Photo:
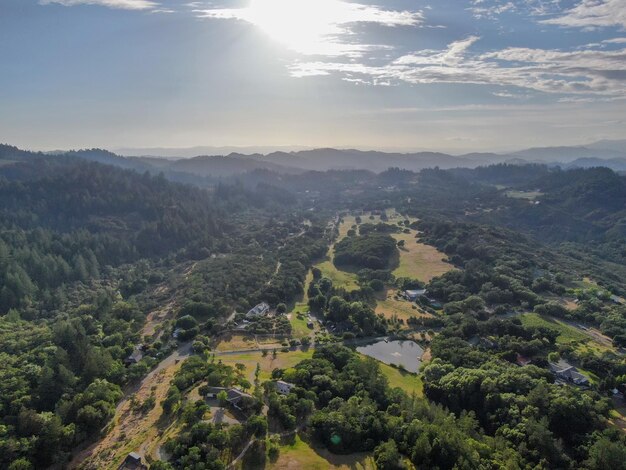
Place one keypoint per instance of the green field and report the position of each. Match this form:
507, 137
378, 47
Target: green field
268, 363
343, 279
405, 380
300, 455
567, 334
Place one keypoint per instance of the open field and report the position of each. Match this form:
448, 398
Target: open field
299, 320
234, 342
529, 195
408, 382
401, 309
268, 363
298, 455
419, 261
344, 279
568, 334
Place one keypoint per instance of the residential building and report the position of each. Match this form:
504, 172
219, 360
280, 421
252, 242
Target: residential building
258, 310
284, 388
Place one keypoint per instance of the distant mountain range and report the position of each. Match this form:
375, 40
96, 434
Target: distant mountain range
611, 154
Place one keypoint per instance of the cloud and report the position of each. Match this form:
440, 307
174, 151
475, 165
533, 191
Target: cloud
481, 9
119, 4
592, 14
316, 27
597, 74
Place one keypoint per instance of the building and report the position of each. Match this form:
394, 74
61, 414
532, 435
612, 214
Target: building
233, 395
213, 391
134, 358
565, 371
284, 388
413, 294
522, 360
133, 461
258, 310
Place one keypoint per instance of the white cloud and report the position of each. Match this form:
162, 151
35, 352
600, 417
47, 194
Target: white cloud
119, 4
316, 27
590, 14
592, 73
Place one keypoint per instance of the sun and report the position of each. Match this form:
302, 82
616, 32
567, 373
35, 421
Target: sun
305, 26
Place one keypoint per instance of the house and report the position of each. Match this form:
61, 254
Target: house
568, 373
213, 391
412, 295
284, 388
258, 310
133, 461
134, 358
234, 396
522, 360
616, 299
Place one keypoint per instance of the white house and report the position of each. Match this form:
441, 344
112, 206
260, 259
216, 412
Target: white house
284, 388
413, 294
258, 310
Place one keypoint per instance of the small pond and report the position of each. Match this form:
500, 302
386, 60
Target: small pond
406, 353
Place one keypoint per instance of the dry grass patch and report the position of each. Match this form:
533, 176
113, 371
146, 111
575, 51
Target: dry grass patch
298, 455
419, 261
268, 363
401, 309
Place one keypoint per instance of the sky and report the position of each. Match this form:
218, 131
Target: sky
448, 75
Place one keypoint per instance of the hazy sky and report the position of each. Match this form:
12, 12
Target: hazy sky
451, 75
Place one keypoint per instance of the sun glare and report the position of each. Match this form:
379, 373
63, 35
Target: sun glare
306, 26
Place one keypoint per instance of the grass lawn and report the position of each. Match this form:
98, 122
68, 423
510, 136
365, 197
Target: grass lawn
567, 334
405, 380
299, 455
299, 328
235, 342
283, 360
344, 279
419, 261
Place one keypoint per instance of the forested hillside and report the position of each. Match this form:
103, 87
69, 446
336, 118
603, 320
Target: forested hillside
108, 273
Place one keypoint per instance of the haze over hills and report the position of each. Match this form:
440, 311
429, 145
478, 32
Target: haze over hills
603, 153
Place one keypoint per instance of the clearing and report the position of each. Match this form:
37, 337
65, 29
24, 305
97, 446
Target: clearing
268, 363
419, 261
583, 340
298, 454
401, 309
410, 383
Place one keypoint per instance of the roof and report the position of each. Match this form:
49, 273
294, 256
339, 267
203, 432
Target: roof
135, 356
134, 456
567, 371
259, 309
415, 292
234, 395
560, 365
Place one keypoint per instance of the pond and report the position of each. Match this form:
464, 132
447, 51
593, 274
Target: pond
406, 353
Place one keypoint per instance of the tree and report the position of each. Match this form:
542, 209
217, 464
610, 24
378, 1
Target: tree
387, 456
222, 397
